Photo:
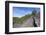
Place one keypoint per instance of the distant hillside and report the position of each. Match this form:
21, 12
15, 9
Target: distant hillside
20, 20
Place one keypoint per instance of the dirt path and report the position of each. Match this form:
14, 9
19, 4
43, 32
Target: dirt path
28, 23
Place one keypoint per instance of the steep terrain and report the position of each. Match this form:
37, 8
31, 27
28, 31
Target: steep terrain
28, 21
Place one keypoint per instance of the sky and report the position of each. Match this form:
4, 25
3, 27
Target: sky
22, 11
